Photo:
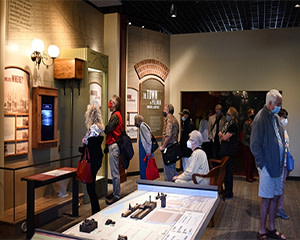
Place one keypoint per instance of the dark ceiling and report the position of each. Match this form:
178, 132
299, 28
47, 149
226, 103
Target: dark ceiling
205, 16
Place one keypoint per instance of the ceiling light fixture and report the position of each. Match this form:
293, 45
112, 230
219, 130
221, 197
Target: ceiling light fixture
173, 11
39, 56
297, 5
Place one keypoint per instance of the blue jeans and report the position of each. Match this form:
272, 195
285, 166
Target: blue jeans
113, 158
169, 172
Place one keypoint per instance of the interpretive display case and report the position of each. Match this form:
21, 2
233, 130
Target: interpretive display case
44, 117
16, 111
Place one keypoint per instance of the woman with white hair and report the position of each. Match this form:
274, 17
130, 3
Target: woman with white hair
197, 162
93, 140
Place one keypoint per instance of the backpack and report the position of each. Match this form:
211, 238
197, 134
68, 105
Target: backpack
126, 149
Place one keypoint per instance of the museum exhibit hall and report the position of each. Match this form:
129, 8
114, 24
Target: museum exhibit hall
139, 120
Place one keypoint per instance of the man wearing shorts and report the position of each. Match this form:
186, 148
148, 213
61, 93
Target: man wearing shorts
267, 146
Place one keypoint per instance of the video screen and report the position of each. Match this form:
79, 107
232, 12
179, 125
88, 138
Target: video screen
47, 113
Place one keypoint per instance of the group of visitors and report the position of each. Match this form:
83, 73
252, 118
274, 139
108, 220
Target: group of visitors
265, 142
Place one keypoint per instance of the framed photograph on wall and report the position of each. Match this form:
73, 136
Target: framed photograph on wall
16, 110
96, 93
132, 100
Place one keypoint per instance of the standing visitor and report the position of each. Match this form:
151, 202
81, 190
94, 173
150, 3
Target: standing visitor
145, 143
169, 136
248, 156
215, 125
283, 114
267, 146
187, 128
113, 131
229, 143
93, 140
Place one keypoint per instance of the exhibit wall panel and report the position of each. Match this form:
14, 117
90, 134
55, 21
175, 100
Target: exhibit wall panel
68, 24
245, 60
146, 44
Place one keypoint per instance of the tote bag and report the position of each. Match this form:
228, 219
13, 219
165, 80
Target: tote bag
152, 172
84, 171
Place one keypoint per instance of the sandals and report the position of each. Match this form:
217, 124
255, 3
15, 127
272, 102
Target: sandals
276, 235
262, 236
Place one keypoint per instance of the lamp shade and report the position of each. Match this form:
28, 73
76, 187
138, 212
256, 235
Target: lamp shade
37, 45
53, 51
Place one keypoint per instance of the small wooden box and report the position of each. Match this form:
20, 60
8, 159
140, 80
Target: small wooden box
68, 68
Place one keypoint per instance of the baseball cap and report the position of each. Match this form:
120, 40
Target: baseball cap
185, 111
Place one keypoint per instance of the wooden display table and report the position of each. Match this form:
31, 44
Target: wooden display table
42, 179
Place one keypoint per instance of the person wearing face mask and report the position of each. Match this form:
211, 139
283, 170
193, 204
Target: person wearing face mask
169, 136
215, 124
113, 131
267, 146
145, 143
186, 129
283, 114
248, 156
197, 162
229, 143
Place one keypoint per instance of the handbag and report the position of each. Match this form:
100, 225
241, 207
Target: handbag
172, 153
154, 145
289, 161
84, 171
152, 172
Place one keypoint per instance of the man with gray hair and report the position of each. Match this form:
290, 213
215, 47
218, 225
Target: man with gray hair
267, 146
197, 162
169, 136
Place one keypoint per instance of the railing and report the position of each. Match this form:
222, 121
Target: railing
31, 166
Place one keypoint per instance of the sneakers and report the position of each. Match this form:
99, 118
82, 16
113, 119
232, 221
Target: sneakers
281, 213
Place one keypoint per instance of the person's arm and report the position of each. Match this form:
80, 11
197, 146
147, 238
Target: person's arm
112, 123
256, 142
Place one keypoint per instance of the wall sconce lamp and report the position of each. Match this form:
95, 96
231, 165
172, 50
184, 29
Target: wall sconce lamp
39, 56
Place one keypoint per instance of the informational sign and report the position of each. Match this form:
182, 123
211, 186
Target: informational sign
152, 104
132, 100
16, 111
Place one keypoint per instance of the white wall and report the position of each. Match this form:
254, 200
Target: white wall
246, 60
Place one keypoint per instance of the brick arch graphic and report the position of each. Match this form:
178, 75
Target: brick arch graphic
151, 67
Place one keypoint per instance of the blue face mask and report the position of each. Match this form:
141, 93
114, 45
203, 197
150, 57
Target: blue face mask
183, 118
228, 118
276, 109
219, 112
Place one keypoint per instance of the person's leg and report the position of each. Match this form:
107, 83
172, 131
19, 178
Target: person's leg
169, 172
143, 165
264, 209
114, 153
213, 150
281, 198
272, 232
247, 162
91, 189
229, 179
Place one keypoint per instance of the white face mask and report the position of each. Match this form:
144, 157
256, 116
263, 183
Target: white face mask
284, 121
189, 144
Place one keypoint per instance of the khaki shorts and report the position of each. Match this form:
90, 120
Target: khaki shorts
269, 186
